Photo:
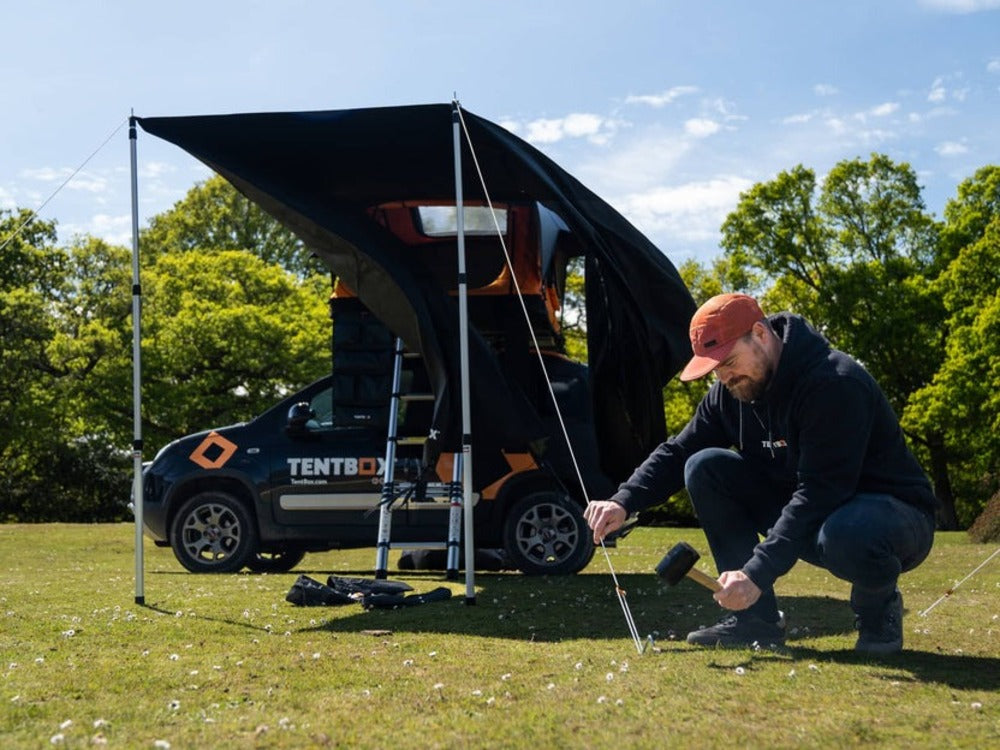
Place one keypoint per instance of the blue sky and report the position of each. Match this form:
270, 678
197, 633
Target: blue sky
668, 109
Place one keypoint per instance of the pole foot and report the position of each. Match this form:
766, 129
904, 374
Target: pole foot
470, 600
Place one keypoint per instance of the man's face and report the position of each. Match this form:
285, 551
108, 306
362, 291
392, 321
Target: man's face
747, 370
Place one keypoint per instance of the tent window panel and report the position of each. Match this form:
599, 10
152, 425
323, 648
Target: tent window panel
442, 221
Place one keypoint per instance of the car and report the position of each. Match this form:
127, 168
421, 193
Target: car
262, 494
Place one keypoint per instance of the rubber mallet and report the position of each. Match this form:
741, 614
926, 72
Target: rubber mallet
679, 562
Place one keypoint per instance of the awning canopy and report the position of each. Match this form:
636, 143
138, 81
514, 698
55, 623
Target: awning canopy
320, 173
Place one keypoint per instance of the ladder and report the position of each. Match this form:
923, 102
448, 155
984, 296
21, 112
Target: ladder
393, 490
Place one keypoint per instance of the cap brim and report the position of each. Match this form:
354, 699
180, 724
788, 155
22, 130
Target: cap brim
700, 366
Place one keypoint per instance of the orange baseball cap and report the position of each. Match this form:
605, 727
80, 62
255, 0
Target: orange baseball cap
715, 328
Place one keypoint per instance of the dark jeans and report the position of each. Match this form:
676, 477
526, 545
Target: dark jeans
868, 541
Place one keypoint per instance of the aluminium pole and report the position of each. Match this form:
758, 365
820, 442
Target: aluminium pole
463, 327
140, 597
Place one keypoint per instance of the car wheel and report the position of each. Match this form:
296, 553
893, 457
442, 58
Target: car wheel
213, 533
545, 534
279, 561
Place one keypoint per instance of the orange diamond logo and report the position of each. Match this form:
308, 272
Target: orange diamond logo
213, 452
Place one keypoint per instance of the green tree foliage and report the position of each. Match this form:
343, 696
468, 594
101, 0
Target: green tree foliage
214, 215
226, 331
975, 207
858, 257
962, 401
573, 313
52, 467
224, 336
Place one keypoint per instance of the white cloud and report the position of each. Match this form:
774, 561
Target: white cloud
116, 230
944, 88
993, 66
661, 100
951, 148
961, 6
545, 131
594, 128
825, 89
90, 183
837, 125
634, 166
874, 136
700, 127
723, 107
798, 119
938, 92
691, 212
7, 200
153, 169
884, 109
46, 174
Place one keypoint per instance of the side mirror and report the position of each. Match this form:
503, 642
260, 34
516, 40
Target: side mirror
298, 418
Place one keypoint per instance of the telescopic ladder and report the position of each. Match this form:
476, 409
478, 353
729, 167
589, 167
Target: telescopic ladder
393, 490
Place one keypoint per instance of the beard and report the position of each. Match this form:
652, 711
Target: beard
747, 389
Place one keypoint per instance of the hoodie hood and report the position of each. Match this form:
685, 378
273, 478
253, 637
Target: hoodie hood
803, 348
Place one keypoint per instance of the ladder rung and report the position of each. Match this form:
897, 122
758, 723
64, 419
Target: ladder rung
418, 545
431, 489
416, 396
411, 355
413, 440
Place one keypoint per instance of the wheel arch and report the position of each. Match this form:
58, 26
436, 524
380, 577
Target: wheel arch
213, 483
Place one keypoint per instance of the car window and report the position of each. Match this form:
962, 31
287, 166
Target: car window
322, 408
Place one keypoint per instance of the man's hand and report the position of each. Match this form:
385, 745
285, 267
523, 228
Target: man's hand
604, 516
738, 591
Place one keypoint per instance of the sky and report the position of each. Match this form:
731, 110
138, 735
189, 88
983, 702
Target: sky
667, 109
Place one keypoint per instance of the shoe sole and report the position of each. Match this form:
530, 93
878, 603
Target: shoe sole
724, 643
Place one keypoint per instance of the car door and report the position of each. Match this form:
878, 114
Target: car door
326, 475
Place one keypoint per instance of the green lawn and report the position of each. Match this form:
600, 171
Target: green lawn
224, 661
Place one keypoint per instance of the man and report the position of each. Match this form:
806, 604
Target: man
797, 443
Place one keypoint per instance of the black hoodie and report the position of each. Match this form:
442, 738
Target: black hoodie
823, 429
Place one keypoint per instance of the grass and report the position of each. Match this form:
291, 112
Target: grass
224, 661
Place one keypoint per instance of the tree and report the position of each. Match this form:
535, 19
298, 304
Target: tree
224, 336
214, 215
858, 258
51, 467
573, 313
975, 206
962, 400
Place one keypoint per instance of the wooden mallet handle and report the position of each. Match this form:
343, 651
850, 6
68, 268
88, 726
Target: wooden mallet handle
704, 579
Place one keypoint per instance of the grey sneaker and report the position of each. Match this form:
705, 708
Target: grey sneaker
741, 631
881, 633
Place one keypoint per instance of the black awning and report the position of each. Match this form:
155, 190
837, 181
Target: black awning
320, 172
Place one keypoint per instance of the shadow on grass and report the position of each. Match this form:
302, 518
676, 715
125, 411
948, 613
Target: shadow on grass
206, 618
960, 671
585, 607
569, 607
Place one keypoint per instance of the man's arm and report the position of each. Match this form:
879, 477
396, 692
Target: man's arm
662, 473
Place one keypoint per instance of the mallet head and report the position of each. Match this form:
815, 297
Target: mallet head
679, 562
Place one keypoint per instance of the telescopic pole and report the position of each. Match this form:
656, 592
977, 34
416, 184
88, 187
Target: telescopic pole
463, 327
140, 597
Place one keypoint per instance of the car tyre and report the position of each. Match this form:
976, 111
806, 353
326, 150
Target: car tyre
545, 534
213, 533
